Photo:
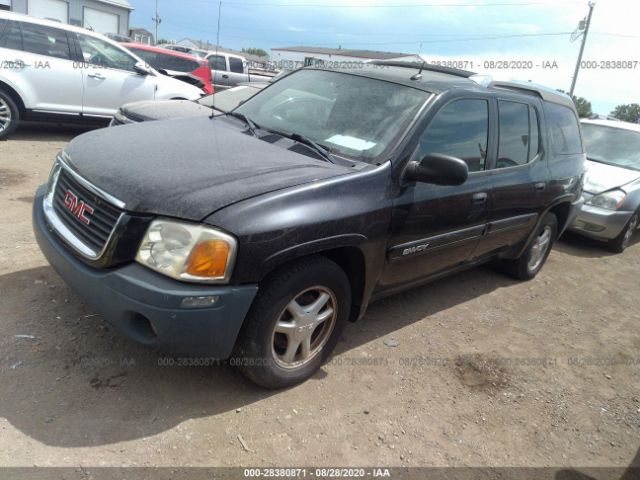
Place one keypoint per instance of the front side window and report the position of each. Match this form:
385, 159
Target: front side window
351, 115
235, 65
103, 54
563, 126
218, 62
460, 129
47, 41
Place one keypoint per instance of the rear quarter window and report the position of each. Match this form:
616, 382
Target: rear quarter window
564, 129
235, 65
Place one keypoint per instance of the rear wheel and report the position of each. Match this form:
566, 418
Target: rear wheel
294, 323
622, 241
9, 115
533, 259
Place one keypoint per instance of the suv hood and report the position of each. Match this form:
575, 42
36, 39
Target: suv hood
602, 177
163, 109
189, 167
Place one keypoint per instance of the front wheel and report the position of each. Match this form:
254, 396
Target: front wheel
534, 257
622, 241
294, 323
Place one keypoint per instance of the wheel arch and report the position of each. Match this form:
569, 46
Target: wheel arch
343, 250
15, 96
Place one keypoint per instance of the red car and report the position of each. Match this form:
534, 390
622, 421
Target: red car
171, 62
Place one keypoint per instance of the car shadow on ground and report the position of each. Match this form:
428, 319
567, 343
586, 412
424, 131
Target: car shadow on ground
584, 247
50, 132
76, 384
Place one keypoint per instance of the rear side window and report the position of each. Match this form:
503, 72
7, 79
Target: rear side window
12, 37
169, 62
519, 137
217, 62
564, 129
47, 41
235, 65
460, 129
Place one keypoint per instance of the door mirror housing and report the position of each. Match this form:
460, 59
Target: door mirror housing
142, 69
438, 169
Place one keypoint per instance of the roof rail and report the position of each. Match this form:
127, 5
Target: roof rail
546, 93
424, 66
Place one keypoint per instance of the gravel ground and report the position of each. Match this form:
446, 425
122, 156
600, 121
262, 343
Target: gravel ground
474, 370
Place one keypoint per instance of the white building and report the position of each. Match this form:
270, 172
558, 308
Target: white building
293, 57
102, 16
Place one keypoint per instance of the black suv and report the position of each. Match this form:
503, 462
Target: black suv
258, 234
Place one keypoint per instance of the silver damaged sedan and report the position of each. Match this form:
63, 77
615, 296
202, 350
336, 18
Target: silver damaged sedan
611, 212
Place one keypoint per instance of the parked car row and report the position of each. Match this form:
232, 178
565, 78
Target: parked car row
58, 72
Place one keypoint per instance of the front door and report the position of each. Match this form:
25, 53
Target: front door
109, 78
436, 228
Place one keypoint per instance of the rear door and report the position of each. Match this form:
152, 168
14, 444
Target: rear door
42, 66
519, 175
237, 71
219, 70
437, 228
109, 78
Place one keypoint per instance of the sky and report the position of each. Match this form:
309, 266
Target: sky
534, 33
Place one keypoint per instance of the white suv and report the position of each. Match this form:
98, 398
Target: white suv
52, 71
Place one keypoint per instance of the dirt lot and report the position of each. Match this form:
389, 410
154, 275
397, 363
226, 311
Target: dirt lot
484, 371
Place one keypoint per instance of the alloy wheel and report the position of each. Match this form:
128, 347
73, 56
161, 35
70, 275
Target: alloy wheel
304, 327
5, 115
539, 248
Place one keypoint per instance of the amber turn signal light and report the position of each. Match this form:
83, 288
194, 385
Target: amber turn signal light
209, 259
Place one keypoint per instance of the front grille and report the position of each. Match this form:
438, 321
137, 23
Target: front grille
102, 220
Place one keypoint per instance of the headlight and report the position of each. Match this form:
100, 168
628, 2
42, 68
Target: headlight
608, 200
190, 252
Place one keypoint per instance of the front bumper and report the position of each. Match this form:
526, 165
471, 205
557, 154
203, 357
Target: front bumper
599, 223
146, 306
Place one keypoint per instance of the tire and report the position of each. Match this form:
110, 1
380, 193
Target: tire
535, 256
9, 115
267, 350
622, 241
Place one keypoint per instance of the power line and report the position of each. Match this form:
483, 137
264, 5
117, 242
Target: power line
409, 5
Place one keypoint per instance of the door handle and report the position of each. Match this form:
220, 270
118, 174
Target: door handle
96, 75
540, 187
225, 76
479, 198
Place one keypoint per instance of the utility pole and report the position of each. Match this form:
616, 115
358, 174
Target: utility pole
157, 21
584, 41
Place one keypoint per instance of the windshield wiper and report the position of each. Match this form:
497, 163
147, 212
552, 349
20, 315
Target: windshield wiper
319, 149
250, 123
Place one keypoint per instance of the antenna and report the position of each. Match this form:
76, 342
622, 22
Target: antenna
213, 98
418, 75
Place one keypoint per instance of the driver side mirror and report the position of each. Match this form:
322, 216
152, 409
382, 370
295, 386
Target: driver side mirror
438, 169
141, 68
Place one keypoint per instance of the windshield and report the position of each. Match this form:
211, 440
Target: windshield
227, 100
349, 115
614, 146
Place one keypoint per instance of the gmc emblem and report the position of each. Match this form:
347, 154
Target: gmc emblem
77, 207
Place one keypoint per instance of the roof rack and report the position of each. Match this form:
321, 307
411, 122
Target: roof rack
546, 93
425, 66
